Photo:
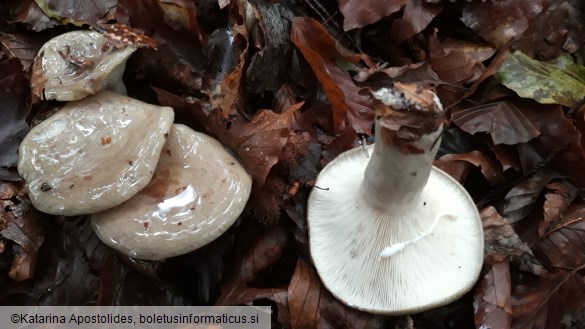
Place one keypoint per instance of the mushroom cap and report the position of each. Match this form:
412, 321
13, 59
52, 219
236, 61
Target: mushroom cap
93, 154
76, 64
347, 238
198, 191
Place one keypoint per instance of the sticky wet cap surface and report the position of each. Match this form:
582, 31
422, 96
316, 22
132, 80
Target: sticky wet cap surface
93, 154
197, 192
77, 64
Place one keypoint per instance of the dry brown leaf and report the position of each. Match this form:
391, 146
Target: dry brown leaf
492, 298
557, 199
417, 16
491, 170
500, 239
359, 13
351, 110
502, 120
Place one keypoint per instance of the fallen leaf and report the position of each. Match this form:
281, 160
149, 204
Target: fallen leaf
501, 241
417, 16
563, 244
456, 60
268, 247
351, 110
561, 82
181, 15
30, 13
500, 21
489, 168
548, 301
492, 298
359, 13
558, 197
260, 142
15, 107
519, 201
502, 120
311, 306
77, 12
22, 46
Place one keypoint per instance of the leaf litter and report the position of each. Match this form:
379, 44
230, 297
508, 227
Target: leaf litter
285, 88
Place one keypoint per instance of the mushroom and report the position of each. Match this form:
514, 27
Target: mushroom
76, 64
198, 191
93, 154
395, 235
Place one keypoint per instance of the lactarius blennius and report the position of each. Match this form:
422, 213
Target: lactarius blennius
76, 64
392, 234
197, 192
93, 154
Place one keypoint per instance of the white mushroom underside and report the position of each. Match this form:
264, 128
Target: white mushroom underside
346, 240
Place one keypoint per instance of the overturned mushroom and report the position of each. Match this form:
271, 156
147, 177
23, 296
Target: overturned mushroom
74, 65
93, 154
391, 234
197, 192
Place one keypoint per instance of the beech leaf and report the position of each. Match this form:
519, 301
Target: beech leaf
502, 120
359, 13
561, 82
500, 238
77, 12
492, 298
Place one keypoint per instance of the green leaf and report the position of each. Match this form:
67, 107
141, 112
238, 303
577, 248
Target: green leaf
559, 82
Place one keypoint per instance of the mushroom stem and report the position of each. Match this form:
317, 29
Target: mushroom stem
393, 179
403, 155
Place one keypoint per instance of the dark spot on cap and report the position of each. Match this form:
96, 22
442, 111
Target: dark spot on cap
179, 223
130, 162
145, 226
46, 187
166, 135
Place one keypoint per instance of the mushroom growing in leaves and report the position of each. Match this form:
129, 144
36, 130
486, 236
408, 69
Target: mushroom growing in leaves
392, 234
93, 154
76, 64
198, 191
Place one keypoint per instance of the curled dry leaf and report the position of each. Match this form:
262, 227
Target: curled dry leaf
502, 120
492, 298
30, 13
21, 46
490, 169
351, 110
500, 239
563, 244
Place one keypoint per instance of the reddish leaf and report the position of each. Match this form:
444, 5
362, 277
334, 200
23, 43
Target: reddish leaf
359, 13
500, 21
351, 110
456, 60
563, 245
545, 303
456, 169
181, 15
489, 168
260, 142
417, 16
502, 120
492, 298
500, 239
558, 197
